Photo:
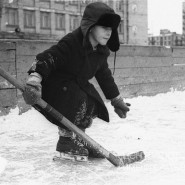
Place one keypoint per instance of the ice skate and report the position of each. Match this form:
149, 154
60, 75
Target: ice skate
71, 157
71, 149
92, 152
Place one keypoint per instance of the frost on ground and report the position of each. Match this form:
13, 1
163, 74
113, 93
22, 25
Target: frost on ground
155, 125
3, 163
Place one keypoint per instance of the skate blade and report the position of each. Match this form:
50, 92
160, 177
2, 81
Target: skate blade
64, 156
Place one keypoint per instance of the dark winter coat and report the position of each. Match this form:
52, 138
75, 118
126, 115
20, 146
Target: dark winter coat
66, 69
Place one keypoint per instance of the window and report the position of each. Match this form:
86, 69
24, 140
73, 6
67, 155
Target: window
73, 2
45, 20
86, 1
74, 22
44, 1
121, 27
28, 3
12, 17
119, 5
29, 19
60, 21
59, 1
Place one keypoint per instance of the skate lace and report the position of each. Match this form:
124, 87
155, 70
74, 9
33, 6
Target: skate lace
87, 146
81, 141
78, 143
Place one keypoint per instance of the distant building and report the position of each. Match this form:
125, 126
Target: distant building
52, 19
183, 18
166, 38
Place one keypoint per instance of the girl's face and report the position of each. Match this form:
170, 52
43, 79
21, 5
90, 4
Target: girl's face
99, 35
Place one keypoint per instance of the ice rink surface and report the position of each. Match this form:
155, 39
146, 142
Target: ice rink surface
155, 125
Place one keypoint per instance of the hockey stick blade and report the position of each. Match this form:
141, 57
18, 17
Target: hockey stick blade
120, 161
132, 158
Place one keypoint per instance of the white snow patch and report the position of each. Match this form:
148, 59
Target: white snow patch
3, 163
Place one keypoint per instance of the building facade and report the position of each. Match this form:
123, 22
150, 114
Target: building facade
183, 18
167, 38
52, 19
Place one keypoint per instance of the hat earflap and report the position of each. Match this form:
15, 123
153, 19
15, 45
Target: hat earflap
113, 43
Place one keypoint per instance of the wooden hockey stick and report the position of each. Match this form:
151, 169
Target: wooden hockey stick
115, 160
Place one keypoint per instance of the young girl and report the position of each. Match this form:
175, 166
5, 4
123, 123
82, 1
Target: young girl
61, 77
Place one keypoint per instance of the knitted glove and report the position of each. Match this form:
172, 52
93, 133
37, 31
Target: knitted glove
120, 107
33, 90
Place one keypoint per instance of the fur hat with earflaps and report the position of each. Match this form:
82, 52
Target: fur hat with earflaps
101, 14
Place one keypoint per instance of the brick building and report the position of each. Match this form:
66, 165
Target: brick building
167, 38
52, 19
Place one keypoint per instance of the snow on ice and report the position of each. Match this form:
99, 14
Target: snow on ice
3, 163
155, 125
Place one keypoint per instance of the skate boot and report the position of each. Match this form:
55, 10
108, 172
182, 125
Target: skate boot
92, 152
70, 148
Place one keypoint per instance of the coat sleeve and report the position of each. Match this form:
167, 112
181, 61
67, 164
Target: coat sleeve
50, 60
106, 81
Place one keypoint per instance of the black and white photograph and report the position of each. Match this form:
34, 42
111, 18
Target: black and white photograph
92, 92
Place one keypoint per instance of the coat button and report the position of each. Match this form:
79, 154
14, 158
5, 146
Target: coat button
64, 88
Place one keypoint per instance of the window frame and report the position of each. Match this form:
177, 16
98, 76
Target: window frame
15, 17
73, 24
33, 18
60, 24
44, 15
121, 27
